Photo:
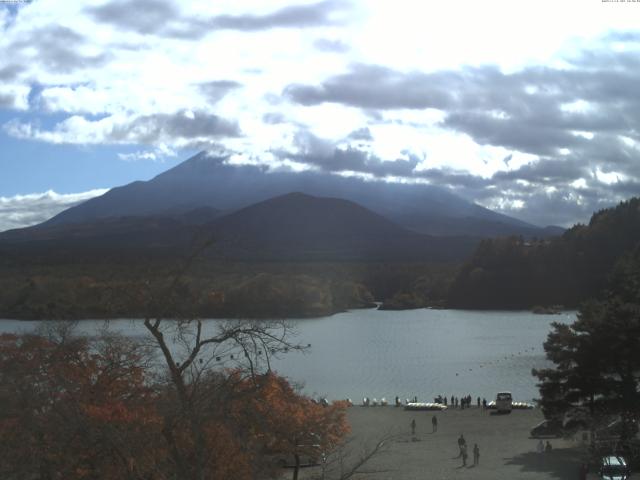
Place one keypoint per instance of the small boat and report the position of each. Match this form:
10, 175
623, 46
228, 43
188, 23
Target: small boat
425, 406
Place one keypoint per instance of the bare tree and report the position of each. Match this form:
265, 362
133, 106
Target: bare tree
190, 349
348, 460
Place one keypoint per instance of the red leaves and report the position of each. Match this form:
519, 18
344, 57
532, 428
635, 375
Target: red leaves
77, 409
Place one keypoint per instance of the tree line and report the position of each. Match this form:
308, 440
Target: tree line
596, 359
517, 273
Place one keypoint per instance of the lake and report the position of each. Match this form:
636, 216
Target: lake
406, 353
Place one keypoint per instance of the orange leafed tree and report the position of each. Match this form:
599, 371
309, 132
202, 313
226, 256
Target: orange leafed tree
74, 410
79, 409
284, 422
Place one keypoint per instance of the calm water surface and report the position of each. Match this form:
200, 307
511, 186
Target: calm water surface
414, 352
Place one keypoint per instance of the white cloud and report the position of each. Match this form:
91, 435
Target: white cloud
25, 210
14, 96
157, 155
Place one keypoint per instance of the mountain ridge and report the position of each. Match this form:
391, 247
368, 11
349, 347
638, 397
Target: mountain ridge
205, 181
291, 227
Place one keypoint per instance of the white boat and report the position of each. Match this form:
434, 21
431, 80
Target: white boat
425, 406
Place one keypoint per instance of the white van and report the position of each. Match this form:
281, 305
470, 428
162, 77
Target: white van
504, 402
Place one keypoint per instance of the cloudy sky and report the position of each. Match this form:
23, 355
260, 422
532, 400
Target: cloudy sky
529, 108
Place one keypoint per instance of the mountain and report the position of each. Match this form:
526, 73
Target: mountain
294, 226
298, 226
204, 181
514, 273
293, 255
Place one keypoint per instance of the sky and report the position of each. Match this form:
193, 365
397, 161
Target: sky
531, 109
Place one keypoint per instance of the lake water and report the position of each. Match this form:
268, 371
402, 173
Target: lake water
406, 353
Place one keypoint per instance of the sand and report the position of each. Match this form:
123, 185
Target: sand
506, 450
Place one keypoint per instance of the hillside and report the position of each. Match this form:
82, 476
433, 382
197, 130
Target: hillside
291, 256
291, 227
301, 227
515, 273
204, 181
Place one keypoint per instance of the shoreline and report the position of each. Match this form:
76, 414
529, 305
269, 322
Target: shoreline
375, 307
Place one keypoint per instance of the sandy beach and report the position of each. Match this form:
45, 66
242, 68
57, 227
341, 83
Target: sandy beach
506, 450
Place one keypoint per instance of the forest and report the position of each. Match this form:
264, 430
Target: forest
519, 273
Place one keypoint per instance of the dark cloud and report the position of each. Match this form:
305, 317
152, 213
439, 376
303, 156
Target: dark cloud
328, 45
162, 18
142, 16
56, 48
557, 171
373, 87
149, 129
217, 89
7, 100
488, 130
274, 118
323, 154
361, 134
295, 16
527, 110
563, 208
542, 111
10, 72
454, 179
622, 36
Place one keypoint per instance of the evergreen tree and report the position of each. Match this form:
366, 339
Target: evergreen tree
597, 358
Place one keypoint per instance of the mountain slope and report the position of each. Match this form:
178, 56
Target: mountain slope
294, 226
206, 181
302, 227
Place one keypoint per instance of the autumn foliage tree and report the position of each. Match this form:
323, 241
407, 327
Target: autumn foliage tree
74, 409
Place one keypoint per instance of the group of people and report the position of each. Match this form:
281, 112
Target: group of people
542, 447
462, 446
462, 402
434, 425
462, 443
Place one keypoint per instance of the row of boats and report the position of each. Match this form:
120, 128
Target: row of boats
414, 405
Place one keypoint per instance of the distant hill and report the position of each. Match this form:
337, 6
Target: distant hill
290, 256
516, 273
291, 227
297, 226
203, 181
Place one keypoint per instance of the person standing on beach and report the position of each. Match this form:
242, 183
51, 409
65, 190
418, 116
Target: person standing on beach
434, 424
462, 445
413, 426
476, 454
463, 452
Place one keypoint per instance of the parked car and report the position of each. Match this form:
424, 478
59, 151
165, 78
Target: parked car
547, 428
613, 467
